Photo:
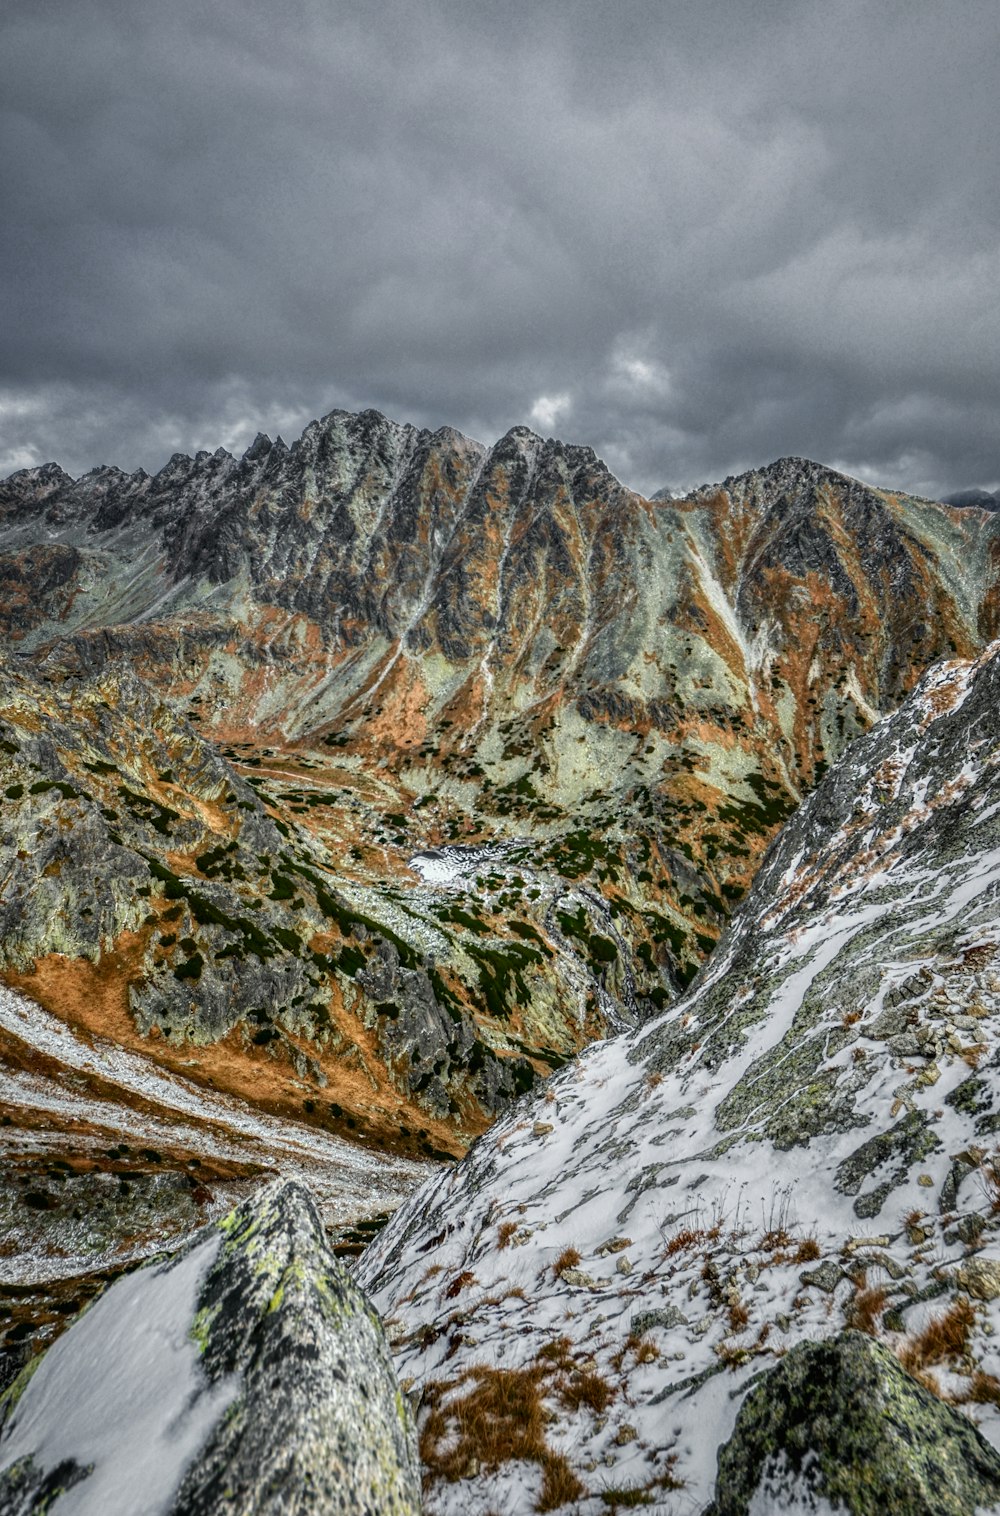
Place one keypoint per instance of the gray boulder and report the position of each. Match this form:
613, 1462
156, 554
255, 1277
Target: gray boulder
839, 1424
245, 1375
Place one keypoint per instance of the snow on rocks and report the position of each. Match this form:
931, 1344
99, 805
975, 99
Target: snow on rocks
839, 1425
458, 865
247, 1373
806, 1143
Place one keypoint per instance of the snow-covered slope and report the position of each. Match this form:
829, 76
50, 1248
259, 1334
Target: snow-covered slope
804, 1143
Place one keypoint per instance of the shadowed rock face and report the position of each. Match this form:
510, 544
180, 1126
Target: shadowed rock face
246, 1374
841, 1422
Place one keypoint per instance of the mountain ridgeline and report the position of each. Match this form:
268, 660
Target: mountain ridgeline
255, 689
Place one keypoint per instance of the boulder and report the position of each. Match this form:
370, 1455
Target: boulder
839, 1424
246, 1374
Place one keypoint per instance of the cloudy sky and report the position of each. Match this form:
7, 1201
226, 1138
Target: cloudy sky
695, 234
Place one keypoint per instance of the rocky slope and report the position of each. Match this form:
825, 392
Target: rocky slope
511, 644
247, 1373
804, 1145
410, 640
350, 788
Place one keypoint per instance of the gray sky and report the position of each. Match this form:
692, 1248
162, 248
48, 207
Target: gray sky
695, 234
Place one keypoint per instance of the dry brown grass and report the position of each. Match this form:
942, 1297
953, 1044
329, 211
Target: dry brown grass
643, 1349
864, 1312
974, 1054
568, 1259
502, 1417
585, 1387
807, 1251
942, 1340
738, 1316
459, 1283
984, 1389
505, 1232
687, 1237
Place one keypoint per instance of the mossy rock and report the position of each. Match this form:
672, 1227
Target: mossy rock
841, 1422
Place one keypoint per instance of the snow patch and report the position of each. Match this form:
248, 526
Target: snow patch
782, 1489
124, 1393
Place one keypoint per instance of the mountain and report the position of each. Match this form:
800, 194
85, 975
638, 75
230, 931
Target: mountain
351, 787
985, 500
801, 1151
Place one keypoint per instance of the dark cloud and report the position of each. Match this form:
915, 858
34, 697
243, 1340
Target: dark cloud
695, 234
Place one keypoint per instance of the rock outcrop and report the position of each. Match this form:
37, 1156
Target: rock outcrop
805, 1144
246, 1374
839, 1425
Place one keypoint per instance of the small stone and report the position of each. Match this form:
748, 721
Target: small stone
541, 1128
579, 1278
826, 1277
624, 1265
926, 1181
980, 1277
887, 1263
970, 1227
853, 1243
666, 1317
616, 1245
626, 1433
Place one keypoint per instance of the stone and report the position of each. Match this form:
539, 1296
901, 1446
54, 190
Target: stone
580, 1279
665, 1317
826, 1277
840, 1425
979, 1276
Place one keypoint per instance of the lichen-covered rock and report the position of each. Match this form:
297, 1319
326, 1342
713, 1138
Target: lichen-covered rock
840, 1422
247, 1375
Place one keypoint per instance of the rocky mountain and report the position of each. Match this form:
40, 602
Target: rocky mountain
417, 640
350, 788
689, 1269
986, 500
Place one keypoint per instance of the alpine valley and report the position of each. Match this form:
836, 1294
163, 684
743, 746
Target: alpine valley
364, 794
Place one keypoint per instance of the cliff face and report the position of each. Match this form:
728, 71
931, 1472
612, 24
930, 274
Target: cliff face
273, 681
804, 1144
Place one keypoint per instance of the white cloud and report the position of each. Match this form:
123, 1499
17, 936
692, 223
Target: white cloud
549, 410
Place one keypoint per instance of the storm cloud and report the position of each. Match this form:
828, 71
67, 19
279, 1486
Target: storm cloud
695, 234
